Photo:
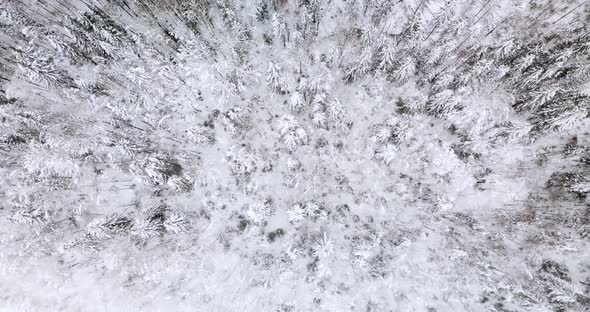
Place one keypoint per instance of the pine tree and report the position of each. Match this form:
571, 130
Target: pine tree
406, 70
279, 28
388, 56
291, 132
296, 102
275, 78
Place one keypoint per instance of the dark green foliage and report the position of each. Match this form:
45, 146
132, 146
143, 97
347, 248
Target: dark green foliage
195, 13
262, 13
462, 151
109, 226
9, 141
93, 31
555, 269
157, 213
278, 233
577, 183
571, 148
243, 223
285, 308
267, 39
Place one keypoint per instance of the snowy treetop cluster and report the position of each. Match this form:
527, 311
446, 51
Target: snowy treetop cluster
295, 155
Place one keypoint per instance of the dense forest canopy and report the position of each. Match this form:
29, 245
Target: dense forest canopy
276, 155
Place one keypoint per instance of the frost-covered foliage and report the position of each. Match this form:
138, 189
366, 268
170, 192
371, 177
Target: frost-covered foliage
305, 155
